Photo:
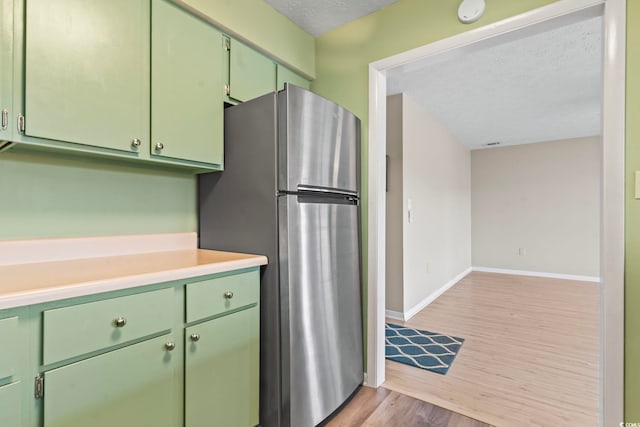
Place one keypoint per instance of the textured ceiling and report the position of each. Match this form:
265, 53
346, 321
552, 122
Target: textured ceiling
319, 16
538, 88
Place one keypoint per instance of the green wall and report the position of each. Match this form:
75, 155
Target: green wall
342, 58
632, 243
46, 195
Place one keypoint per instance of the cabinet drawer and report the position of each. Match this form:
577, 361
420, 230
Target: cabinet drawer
79, 329
9, 340
216, 296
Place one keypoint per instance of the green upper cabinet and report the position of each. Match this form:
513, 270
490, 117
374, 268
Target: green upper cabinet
135, 79
133, 386
187, 88
87, 72
250, 74
287, 76
6, 70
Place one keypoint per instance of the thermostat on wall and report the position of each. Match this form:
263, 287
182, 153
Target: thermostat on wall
470, 11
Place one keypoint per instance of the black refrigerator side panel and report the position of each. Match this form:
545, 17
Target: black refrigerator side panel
238, 213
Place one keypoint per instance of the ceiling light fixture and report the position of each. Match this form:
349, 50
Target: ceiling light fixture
470, 11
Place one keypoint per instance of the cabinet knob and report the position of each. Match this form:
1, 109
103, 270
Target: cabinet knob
195, 337
159, 146
170, 346
135, 143
120, 322
228, 295
5, 119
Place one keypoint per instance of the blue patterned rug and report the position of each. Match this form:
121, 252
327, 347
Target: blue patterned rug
422, 349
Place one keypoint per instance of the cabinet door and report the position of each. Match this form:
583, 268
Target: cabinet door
9, 360
6, 70
222, 371
187, 91
251, 74
285, 75
132, 386
10, 409
87, 71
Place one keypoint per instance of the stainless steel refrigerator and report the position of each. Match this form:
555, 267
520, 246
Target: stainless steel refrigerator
290, 190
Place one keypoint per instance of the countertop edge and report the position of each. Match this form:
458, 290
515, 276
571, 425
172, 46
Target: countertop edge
21, 299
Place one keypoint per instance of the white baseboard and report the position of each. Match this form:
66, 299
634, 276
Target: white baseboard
398, 315
428, 300
593, 279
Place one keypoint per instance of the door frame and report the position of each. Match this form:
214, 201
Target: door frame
612, 206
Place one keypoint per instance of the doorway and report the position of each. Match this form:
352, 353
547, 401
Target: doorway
612, 218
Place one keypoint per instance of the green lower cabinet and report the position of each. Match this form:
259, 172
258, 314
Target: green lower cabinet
9, 339
133, 386
136, 363
10, 407
222, 371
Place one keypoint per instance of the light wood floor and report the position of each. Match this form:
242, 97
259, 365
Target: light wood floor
530, 356
384, 408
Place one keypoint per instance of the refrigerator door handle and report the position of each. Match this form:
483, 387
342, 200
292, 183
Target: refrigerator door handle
326, 199
327, 190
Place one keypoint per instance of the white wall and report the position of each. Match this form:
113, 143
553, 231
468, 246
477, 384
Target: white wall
544, 198
436, 245
394, 209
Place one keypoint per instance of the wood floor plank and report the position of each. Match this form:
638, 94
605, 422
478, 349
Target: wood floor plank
530, 355
384, 408
400, 410
360, 407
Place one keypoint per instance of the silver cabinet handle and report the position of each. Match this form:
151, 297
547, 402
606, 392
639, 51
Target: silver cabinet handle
195, 337
5, 119
159, 146
228, 295
21, 124
135, 143
170, 346
120, 322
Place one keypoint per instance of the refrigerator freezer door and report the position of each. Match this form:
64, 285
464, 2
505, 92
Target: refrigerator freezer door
318, 142
321, 306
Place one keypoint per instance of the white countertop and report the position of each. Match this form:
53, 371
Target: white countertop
36, 279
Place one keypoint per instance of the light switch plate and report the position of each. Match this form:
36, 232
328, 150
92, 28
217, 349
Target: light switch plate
637, 184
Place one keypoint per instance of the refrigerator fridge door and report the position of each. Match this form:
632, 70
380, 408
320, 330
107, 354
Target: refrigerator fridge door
318, 143
321, 308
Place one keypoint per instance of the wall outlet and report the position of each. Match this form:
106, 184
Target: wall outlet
522, 251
